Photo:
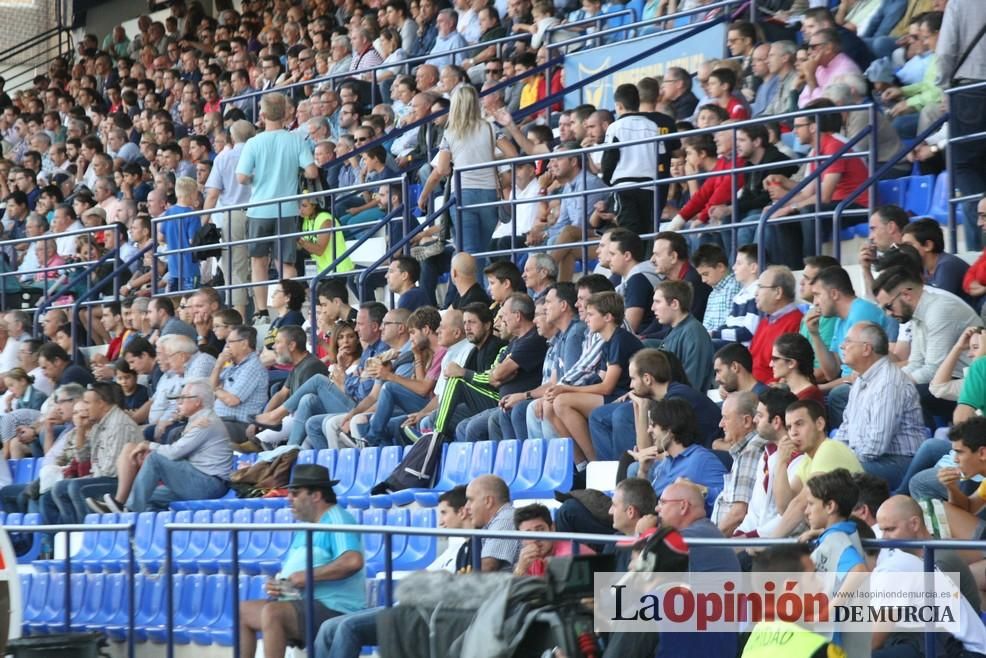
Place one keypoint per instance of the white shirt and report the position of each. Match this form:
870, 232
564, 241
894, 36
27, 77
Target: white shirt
761, 514
525, 211
65, 245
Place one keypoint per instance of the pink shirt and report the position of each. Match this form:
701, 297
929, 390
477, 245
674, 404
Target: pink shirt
435, 370
840, 65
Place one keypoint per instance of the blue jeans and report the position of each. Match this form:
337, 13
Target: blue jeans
613, 430
538, 428
319, 395
889, 467
969, 158
928, 454
477, 224
65, 502
162, 481
346, 635
475, 428
514, 424
392, 398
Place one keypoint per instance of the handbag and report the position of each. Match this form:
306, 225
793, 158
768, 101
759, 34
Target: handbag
206, 235
425, 250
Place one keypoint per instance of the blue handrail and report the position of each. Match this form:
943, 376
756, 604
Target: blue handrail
877, 175
770, 210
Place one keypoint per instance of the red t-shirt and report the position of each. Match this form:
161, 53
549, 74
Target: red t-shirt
737, 110
853, 170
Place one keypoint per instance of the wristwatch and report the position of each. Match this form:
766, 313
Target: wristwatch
528, 396
934, 149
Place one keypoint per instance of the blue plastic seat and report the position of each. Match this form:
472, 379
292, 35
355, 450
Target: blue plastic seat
153, 558
305, 457
92, 604
891, 191
458, 468
327, 458
394, 517
919, 193
373, 542
218, 555
251, 588
52, 617
95, 544
198, 540
115, 610
117, 546
529, 468
34, 597
345, 471
420, 550
365, 477
217, 610
143, 538
280, 542
455, 471
150, 606
389, 458
254, 547
23, 469
559, 469
188, 597
28, 519
506, 461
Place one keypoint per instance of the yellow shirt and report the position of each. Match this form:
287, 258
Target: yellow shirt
829, 456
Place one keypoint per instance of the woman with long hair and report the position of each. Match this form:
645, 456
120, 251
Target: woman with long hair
468, 140
793, 362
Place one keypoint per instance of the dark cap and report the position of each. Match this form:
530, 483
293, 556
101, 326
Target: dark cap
311, 475
596, 502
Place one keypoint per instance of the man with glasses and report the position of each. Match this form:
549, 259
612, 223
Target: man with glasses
882, 423
779, 315
239, 381
676, 89
937, 320
196, 466
826, 61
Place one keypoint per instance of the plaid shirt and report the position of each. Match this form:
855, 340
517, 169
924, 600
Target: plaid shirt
720, 302
248, 382
585, 371
742, 477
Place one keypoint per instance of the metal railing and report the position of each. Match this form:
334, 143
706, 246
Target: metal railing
474, 536
953, 139
18, 73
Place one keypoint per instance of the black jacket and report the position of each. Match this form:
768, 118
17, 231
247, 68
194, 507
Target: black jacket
752, 196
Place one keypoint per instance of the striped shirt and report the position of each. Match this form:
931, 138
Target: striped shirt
737, 486
367, 60
717, 309
106, 439
505, 550
585, 371
743, 319
883, 415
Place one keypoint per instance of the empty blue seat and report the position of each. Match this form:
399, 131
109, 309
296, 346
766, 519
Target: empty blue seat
198, 540
305, 457
34, 596
23, 470
394, 517
150, 610
420, 550
373, 542
115, 609
188, 597
891, 191
116, 545
280, 542
90, 539
507, 458
389, 458
327, 458
250, 588
559, 469
218, 556
919, 193
365, 477
217, 610
529, 468
345, 471
28, 519
92, 604
52, 617
254, 547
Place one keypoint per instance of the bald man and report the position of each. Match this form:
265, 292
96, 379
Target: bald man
488, 503
465, 283
682, 506
901, 518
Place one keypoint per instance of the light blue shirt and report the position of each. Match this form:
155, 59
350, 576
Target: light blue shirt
273, 159
223, 178
861, 310
452, 41
347, 594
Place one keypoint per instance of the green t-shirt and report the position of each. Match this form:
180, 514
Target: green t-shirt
826, 328
974, 386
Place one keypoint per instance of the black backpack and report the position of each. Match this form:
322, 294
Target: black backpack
418, 469
206, 235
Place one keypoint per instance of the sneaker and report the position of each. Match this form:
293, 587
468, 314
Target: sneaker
98, 506
112, 504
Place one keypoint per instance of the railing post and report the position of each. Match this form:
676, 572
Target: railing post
388, 567
457, 205
169, 595
235, 549
309, 592
131, 576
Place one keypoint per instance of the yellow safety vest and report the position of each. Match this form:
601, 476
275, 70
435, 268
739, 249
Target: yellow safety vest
780, 639
336, 246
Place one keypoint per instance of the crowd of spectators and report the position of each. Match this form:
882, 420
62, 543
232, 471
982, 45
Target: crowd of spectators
739, 401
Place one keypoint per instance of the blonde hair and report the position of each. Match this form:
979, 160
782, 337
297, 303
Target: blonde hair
186, 187
464, 117
274, 106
